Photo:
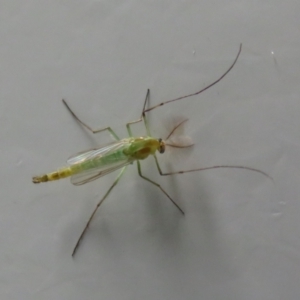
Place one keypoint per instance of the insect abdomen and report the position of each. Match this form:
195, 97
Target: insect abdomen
99, 162
59, 174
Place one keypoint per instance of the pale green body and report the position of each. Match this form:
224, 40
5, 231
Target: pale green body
92, 164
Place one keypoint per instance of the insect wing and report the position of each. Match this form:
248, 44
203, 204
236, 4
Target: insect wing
93, 174
97, 152
100, 170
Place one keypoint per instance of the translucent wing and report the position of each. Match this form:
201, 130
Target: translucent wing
97, 152
93, 174
97, 169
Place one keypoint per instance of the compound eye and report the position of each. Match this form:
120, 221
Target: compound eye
162, 146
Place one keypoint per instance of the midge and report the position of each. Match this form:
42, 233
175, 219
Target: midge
89, 165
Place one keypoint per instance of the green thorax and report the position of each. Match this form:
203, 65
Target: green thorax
141, 147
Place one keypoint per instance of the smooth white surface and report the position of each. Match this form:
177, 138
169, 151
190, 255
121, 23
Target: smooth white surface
239, 238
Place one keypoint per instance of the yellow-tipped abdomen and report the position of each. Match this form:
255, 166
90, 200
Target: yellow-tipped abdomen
59, 174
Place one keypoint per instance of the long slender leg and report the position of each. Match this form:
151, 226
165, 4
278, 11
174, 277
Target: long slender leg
156, 184
202, 90
142, 117
209, 168
96, 208
88, 127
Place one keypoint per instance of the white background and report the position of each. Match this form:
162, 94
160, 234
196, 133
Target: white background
239, 238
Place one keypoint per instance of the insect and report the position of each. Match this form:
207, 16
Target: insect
89, 165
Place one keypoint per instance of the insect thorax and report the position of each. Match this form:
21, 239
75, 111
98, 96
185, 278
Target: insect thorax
141, 147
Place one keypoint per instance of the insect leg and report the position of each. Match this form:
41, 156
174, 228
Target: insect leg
156, 184
209, 168
95, 210
88, 127
142, 117
202, 90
